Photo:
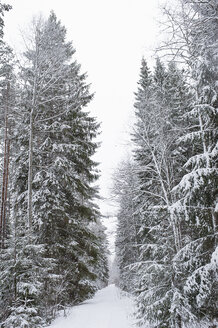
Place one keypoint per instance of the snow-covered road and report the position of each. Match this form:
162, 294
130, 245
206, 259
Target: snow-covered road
108, 309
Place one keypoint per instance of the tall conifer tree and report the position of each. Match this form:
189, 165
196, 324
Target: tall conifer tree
161, 101
58, 253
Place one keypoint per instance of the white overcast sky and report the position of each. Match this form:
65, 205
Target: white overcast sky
110, 37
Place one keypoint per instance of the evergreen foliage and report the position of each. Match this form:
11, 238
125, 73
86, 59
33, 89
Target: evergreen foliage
175, 138
3, 7
127, 243
56, 253
52, 243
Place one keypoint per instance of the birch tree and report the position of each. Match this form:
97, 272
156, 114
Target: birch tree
161, 101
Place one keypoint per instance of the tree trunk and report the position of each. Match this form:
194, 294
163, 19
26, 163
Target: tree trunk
6, 193
5, 174
31, 126
30, 175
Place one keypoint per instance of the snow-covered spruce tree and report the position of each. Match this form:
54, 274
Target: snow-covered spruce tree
194, 29
19, 284
197, 191
161, 101
61, 145
127, 243
28, 265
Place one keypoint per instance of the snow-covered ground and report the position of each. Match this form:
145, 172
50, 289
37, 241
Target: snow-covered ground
108, 309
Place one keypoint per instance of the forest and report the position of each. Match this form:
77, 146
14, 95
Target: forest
53, 246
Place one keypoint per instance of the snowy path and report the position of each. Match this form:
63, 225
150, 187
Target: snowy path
108, 309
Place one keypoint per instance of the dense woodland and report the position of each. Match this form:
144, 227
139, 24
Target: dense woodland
53, 249
167, 222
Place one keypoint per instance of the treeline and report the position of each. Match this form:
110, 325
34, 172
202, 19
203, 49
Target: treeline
52, 244
167, 222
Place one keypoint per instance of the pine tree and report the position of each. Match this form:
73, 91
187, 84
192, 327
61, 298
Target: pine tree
7, 104
5, 77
